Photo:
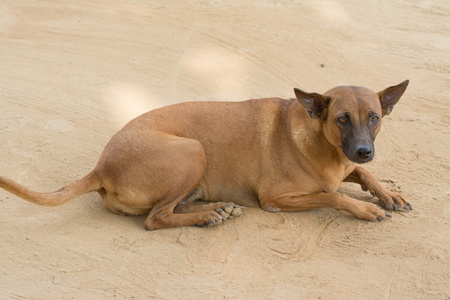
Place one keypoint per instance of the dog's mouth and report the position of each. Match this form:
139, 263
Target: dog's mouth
362, 160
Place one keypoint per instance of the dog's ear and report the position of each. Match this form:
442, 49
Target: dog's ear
390, 96
314, 103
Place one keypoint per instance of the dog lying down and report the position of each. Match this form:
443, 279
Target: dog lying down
290, 155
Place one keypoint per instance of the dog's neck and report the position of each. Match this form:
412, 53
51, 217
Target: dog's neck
309, 138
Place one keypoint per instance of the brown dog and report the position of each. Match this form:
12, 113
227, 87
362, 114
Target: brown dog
290, 155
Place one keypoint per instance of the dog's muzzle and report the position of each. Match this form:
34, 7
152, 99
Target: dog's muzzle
360, 154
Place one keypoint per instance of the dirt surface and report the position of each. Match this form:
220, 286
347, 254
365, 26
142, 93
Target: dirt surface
74, 72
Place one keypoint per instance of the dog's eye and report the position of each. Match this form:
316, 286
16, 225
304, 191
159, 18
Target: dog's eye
342, 119
374, 119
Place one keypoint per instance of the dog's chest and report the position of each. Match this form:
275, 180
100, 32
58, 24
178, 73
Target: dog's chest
319, 178
333, 176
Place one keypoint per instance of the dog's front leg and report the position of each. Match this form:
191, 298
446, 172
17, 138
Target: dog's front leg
293, 202
389, 199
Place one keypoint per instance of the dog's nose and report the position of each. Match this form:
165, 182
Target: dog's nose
364, 152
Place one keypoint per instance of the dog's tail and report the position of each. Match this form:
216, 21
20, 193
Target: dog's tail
87, 184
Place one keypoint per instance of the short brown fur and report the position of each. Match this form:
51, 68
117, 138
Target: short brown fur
289, 155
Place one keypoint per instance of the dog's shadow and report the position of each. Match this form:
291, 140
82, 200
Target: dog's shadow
355, 191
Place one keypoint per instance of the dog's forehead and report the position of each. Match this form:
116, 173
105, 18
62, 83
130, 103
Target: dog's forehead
350, 97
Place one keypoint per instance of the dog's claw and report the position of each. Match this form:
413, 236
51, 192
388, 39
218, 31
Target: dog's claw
223, 213
406, 208
379, 219
214, 222
410, 206
388, 215
395, 206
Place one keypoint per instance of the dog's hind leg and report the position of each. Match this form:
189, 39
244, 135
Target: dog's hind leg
185, 168
154, 171
113, 203
225, 209
163, 216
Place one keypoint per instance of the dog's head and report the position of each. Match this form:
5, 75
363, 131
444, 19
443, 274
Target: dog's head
352, 116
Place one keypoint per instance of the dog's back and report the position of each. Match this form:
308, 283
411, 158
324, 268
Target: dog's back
238, 139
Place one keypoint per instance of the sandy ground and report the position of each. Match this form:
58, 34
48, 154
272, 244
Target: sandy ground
73, 73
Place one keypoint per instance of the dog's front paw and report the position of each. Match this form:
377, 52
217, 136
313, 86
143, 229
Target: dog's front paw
370, 212
393, 201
